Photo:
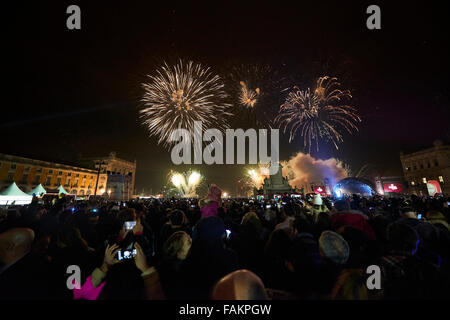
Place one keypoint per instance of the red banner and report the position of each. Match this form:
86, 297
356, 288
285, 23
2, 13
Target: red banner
433, 187
392, 187
320, 190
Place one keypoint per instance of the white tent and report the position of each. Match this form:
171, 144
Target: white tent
38, 191
62, 190
13, 194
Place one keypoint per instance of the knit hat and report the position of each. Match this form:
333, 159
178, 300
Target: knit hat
317, 200
215, 193
333, 247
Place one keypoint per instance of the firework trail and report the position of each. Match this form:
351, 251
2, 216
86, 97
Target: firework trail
253, 90
180, 94
186, 183
318, 114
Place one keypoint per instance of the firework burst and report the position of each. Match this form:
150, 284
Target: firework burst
180, 94
252, 90
318, 114
186, 183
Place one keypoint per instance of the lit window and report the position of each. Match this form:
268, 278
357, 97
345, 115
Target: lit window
424, 180
441, 179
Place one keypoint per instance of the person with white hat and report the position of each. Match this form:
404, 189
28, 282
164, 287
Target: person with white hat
318, 206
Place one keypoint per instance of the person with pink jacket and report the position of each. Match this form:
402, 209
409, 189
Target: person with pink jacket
211, 203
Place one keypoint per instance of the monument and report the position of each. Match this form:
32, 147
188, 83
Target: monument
275, 184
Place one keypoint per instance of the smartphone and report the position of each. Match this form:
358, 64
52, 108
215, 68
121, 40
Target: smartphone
126, 254
228, 231
94, 210
192, 206
129, 225
419, 216
268, 206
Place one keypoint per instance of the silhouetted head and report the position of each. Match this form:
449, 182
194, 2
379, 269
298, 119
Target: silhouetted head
14, 244
239, 285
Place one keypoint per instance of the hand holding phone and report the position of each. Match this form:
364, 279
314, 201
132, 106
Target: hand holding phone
110, 257
129, 225
140, 258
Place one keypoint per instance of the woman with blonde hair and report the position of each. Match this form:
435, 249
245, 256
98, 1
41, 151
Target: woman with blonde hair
175, 251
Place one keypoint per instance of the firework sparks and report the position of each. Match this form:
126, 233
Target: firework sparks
254, 177
248, 97
186, 183
252, 89
318, 114
179, 95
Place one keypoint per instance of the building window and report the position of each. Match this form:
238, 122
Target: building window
11, 177
25, 178
414, 167
436, 163
47, 182
58, 181
77, 175
69, 174
37, 179
428, 165
424, 180
13, 166
39, 170
27, 169
59, 173
441, 179
421, 166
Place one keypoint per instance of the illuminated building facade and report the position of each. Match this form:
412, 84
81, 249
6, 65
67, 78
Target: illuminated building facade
425, 169
116, 176
28, 173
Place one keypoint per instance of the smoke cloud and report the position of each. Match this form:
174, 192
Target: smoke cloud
303, 170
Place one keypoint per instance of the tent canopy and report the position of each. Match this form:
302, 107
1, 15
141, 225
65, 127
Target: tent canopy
13, 190
38, 190
62, 190
13, 194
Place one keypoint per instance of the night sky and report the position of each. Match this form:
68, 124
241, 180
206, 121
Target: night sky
75, 93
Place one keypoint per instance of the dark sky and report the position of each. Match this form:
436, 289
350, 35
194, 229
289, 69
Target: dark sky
76, 93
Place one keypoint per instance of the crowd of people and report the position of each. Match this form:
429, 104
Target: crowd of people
187, 249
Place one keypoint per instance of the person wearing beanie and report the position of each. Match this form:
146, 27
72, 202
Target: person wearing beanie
318, 207
333, 247
335, 252
210, 204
